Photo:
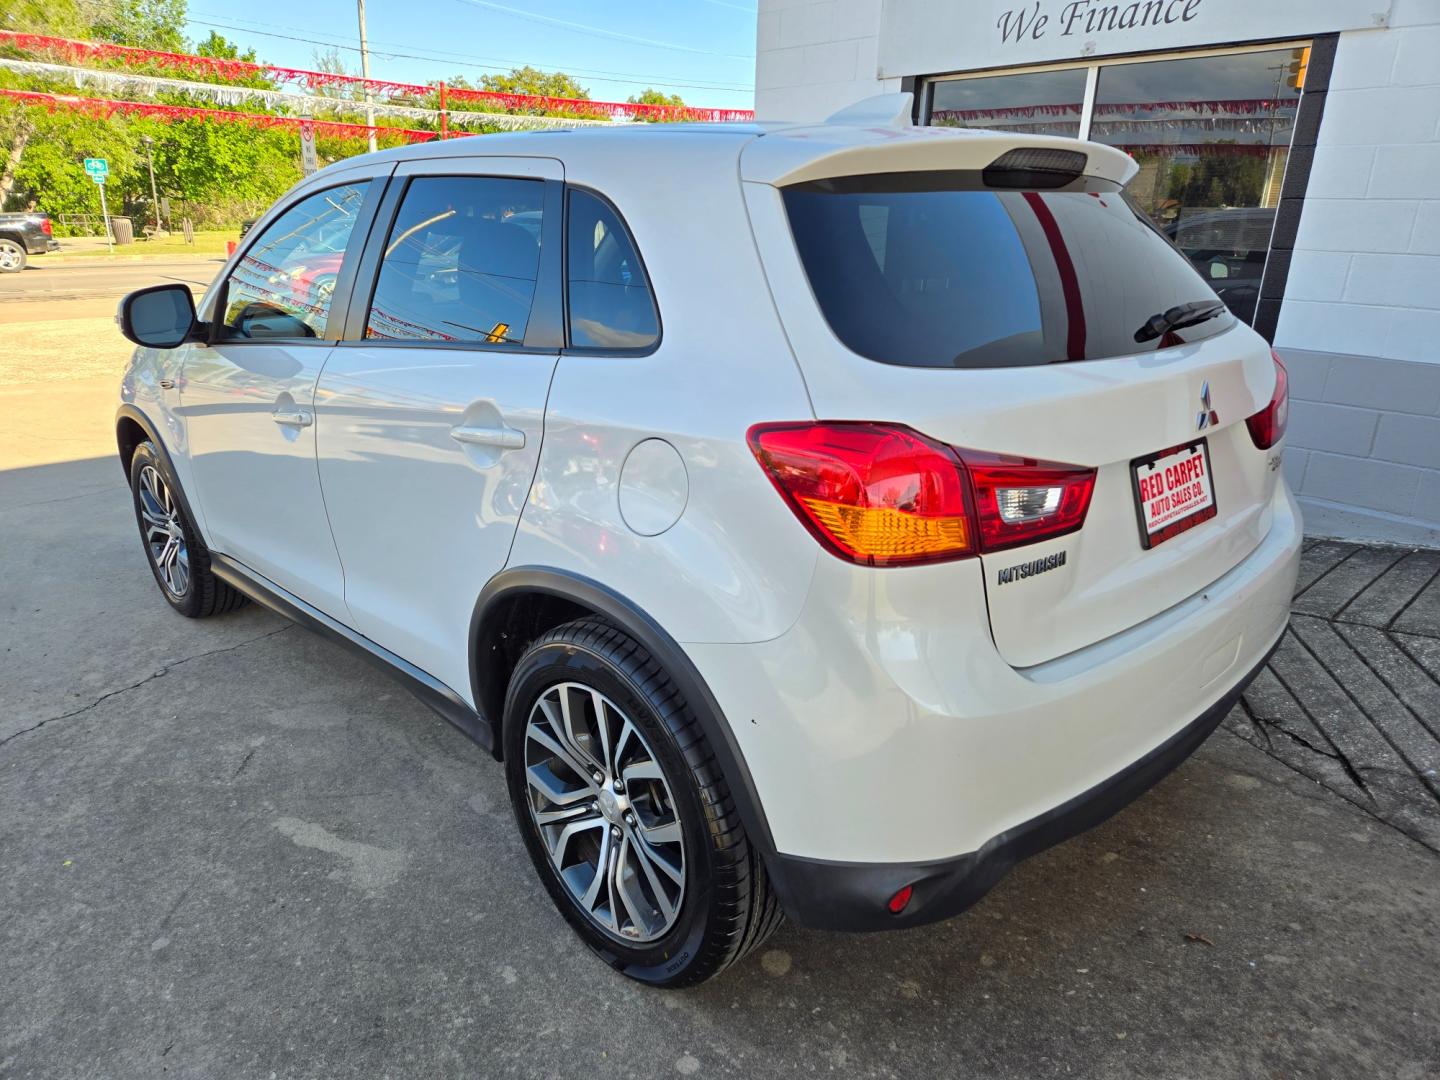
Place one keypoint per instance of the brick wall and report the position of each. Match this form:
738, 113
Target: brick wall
812, 59
1360, 323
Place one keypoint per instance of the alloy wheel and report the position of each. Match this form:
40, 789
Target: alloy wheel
11, 255
605, 814
164, 534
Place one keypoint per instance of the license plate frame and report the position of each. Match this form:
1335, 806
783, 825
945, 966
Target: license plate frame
1150, 539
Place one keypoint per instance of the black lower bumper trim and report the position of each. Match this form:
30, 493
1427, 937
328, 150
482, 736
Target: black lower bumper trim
827, 895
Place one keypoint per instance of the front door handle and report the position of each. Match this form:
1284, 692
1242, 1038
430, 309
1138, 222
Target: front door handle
503, 438
293, 417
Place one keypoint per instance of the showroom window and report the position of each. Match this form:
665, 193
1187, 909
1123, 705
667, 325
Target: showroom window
1211, 134
1037, 103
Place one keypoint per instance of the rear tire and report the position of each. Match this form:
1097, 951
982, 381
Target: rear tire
178, 557
659, 781
13, 256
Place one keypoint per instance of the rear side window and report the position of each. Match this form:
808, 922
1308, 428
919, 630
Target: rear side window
941, 271
610, 302
460, 262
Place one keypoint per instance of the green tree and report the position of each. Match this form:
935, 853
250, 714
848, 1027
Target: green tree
529, 80
650, 96
146, 24
219, 47
61, 18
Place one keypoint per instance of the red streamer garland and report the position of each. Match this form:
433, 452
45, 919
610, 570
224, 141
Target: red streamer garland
1227, 106
103, 108
78, 51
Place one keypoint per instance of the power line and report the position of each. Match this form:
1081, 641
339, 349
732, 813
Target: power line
464, 60
596, 31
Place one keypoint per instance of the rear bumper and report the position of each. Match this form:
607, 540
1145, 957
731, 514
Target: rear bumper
889, 743
853, 896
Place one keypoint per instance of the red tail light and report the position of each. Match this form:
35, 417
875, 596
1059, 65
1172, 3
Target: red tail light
46, 227
1267, 427
1020, 501
885, 495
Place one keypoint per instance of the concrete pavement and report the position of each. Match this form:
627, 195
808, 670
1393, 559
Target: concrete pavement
229, 849
74, 279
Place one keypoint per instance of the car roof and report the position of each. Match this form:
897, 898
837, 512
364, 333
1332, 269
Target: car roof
768, 152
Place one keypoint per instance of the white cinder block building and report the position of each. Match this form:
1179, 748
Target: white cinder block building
1291, 148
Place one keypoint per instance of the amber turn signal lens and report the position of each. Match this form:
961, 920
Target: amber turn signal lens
877, 494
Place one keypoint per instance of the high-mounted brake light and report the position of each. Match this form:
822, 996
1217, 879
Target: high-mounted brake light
1040, 168
1267, 427
885, 495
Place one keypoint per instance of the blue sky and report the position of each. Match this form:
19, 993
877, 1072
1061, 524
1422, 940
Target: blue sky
701, 49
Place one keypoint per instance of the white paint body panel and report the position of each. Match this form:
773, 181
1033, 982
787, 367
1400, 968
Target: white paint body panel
422, 521
885, 715
884, 727
255, 478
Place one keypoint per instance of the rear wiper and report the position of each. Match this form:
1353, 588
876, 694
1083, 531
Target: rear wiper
1179, 317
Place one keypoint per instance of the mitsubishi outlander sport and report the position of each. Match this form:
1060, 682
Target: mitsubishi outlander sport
815, 520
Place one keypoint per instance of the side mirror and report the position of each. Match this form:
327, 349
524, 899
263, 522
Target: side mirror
160, 317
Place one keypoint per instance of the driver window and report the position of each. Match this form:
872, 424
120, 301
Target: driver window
284, 281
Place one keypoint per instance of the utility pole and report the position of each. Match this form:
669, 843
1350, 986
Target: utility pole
365, 73
149, 142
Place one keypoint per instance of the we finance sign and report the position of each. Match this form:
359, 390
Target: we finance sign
932, 37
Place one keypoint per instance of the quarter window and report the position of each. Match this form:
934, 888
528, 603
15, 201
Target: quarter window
284, 282
460, 263
610, 302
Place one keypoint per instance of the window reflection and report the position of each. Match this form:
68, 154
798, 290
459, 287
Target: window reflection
1036, 103
284, 282
461, 262
1211, 136
610, 303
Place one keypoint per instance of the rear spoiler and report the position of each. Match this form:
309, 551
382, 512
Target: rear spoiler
795, 155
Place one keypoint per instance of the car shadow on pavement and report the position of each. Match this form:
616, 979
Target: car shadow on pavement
231, 848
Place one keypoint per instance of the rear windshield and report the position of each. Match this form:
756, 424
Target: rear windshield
936, 270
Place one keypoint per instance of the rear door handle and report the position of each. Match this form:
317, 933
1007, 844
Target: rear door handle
293, 417
503, 438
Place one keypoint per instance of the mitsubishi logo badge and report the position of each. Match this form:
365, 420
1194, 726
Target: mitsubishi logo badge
1207, 416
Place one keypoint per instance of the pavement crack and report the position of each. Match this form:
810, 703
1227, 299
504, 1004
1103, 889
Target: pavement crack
1339, 754
160, 674
243, 763
1336, 793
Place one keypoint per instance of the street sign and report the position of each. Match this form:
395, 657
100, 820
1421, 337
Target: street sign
309, 163
99, 178
97, 168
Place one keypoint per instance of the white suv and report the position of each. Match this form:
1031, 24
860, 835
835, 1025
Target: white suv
814, 519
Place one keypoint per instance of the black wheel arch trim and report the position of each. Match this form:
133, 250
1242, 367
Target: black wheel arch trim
639, 624
152, 435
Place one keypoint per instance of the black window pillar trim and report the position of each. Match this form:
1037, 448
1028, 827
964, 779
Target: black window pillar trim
367, 267
1294, 185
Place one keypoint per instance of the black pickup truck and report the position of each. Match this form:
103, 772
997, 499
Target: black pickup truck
23, 235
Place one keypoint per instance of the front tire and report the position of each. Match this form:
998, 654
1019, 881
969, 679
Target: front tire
178, 557
625, 813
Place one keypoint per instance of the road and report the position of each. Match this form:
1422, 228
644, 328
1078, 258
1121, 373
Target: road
95, 279
228, 849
